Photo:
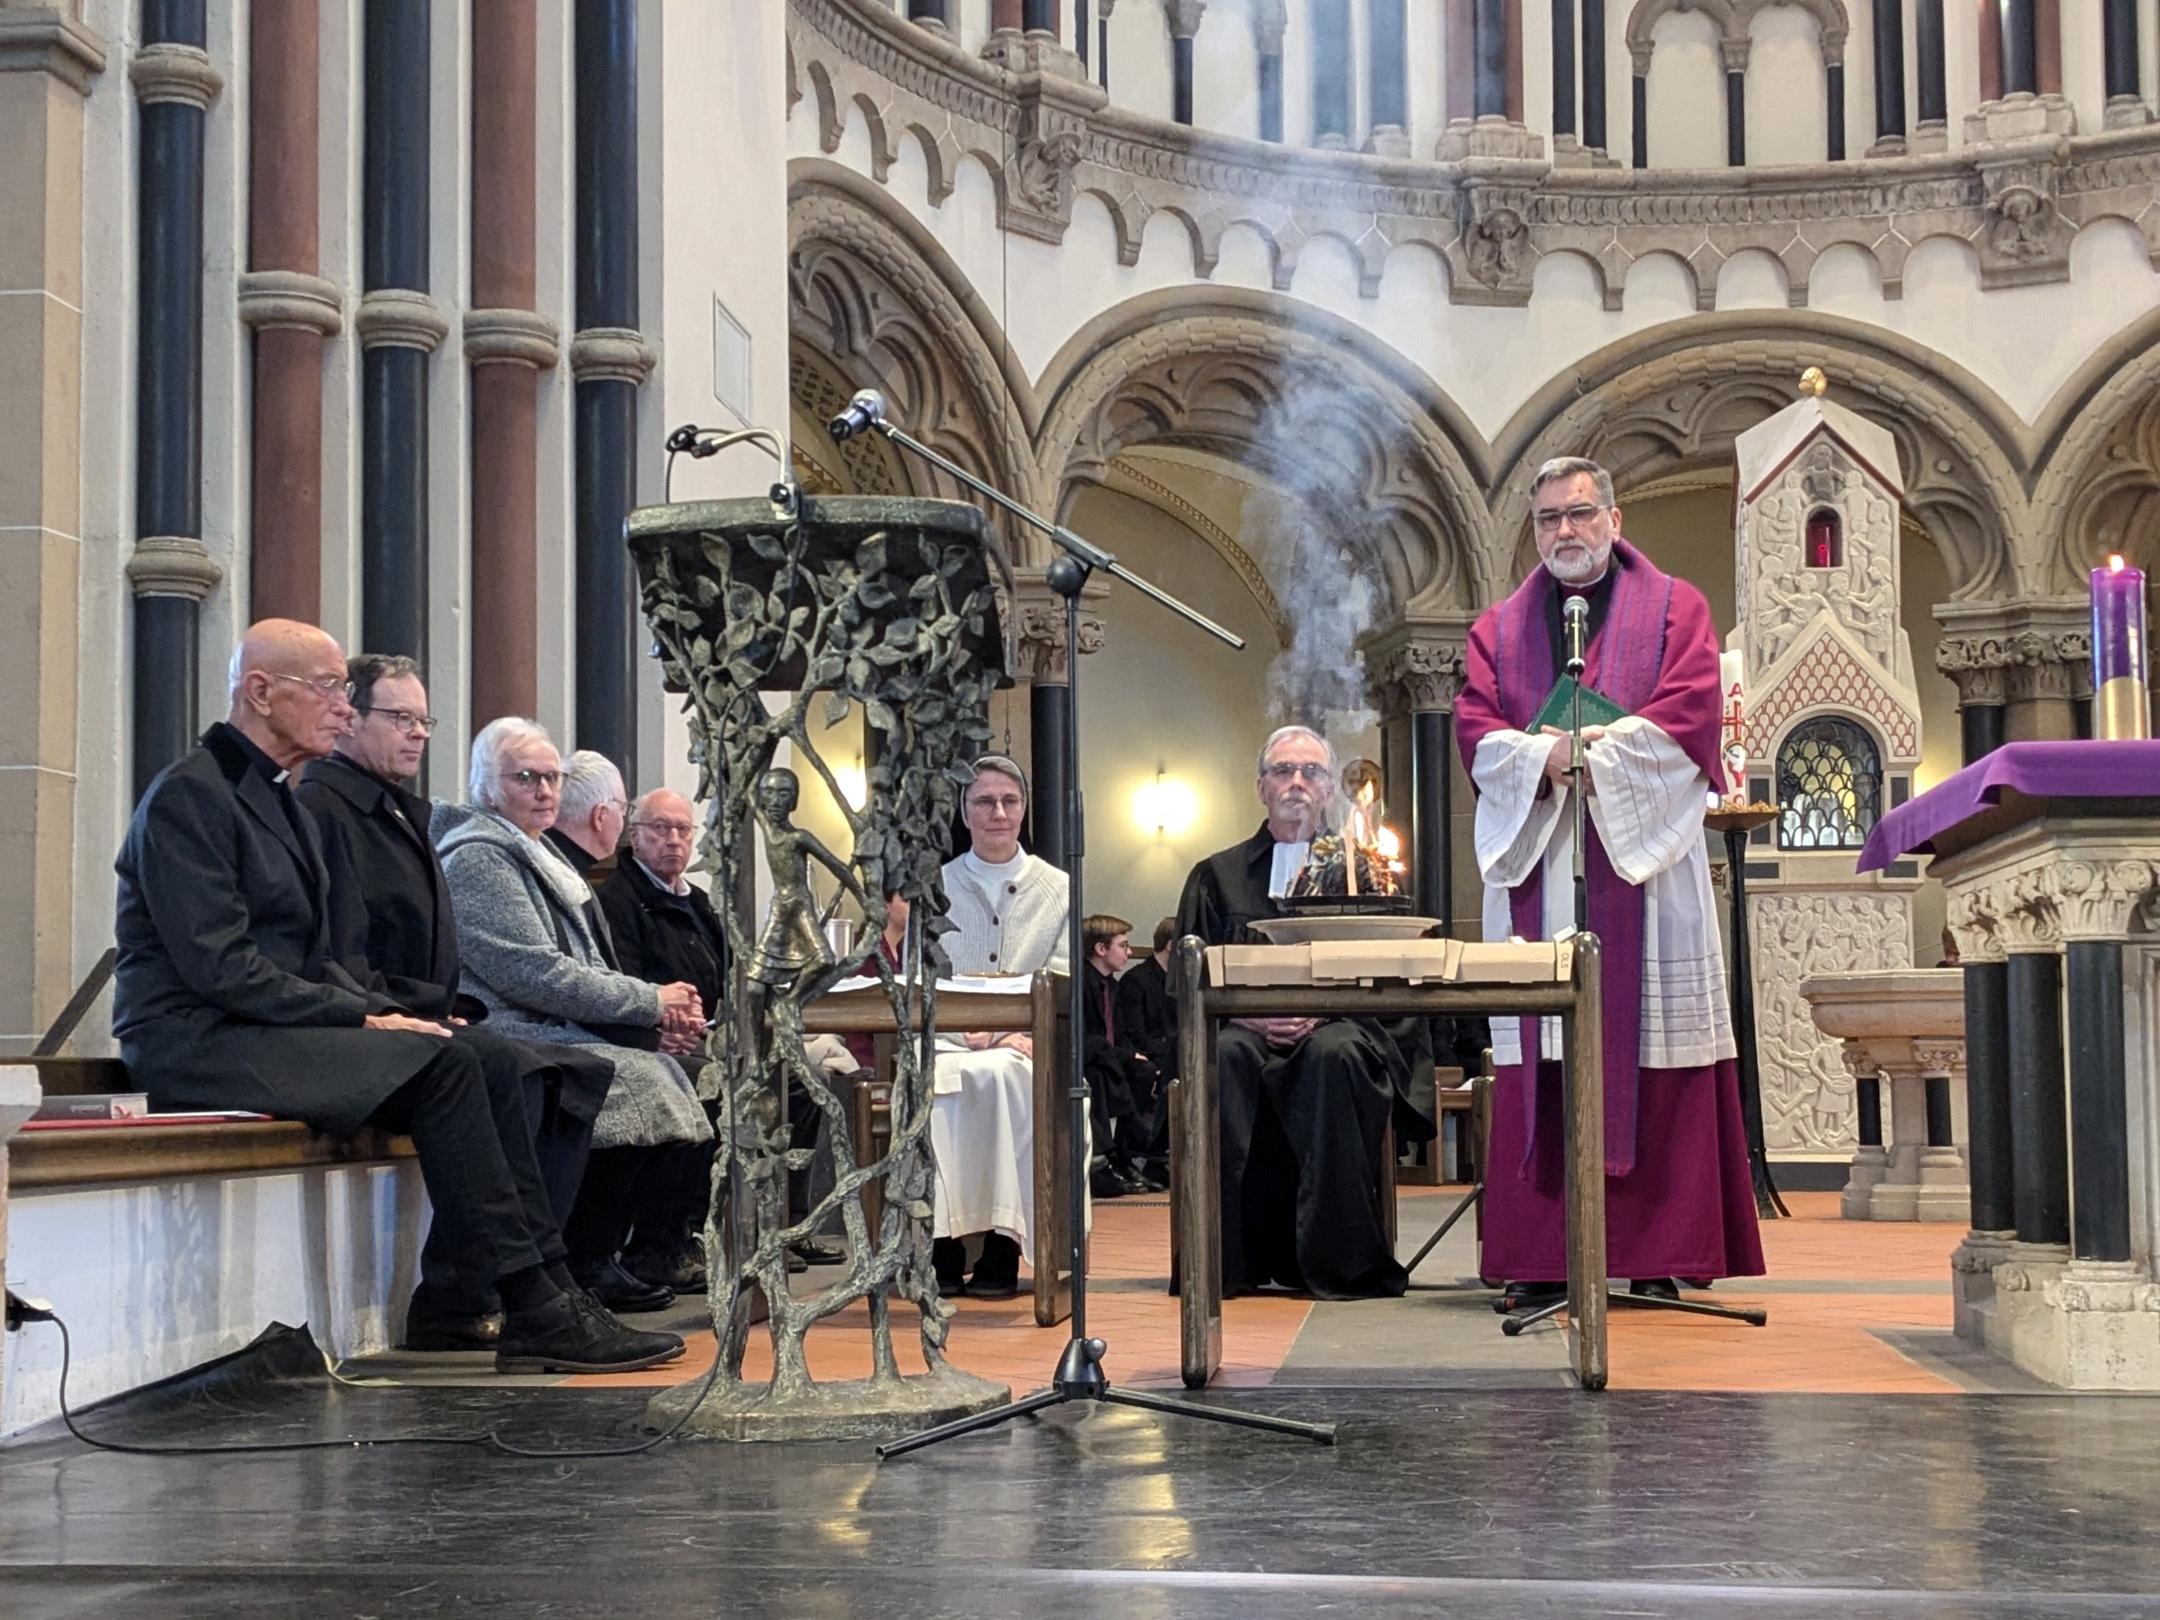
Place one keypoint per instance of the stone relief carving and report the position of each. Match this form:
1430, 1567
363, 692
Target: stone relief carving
1806, 1087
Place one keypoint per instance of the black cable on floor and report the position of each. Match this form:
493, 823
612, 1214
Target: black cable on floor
487, 1439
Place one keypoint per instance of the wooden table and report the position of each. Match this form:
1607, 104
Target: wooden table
1041, 1014
1574, 994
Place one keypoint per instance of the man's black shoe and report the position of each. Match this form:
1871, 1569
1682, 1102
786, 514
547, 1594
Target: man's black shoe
681, 1267
948, 1258
997, 1271
619, 1291
811, 1252
667, 1345
433, 1330
566, 1336
1143, 1178
1654, 1288
1528, 1296
1108, 1181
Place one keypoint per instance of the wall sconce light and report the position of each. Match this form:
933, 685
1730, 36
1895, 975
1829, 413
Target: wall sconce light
1165, 806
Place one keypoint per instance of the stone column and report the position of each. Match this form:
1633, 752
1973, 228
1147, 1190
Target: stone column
1184, 18
1045, 665
508, 344
2097, 900
1593, 77
2030, 660
1270, 23
1417, 675
292, 310
1489, 43
1039, 17
2039, 1126
1889, 79
1990, 1161
1387, 87
1931, 130
1871, 1161
47, 62
1564, 78
925, 11
2126, 106
1736, 58
170, 571
1329, 31
610, 361
2020, 48
399, 327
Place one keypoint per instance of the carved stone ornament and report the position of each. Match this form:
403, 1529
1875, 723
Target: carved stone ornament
2026, 915
1417, 675
175, 73
1042, 660
890, 606
2099, 899
1496, 245
518, 337
400, 318
1945, 1058
290, 300
1051, 138
1184, 17
2026, 237
1972, 927
611, 354
2104, 1286
172, 565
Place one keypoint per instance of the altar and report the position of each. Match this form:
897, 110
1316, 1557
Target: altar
2050, 856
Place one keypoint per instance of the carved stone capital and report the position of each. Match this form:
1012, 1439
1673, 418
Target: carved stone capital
2098, 899
1733, 49
1496, 251
1972, 927
177, 73
511, 337
611, 354
1042, 656
400, 318
172, 565
2102, 1285
51, 39
290, 300
1184, 17
1416, 669
2015, 651
1940, 1058
1270, 24
2026, 914
1051, 140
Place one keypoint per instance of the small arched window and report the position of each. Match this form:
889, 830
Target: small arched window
1825, 538
1829, 785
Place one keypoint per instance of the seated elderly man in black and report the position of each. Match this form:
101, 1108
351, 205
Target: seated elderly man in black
228, 995
391, 926
1305, 1102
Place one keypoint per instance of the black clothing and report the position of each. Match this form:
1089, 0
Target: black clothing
1301, 1127
1600, 598
666, 938
1146, 1016
595, 872
229, 994
1125, 1092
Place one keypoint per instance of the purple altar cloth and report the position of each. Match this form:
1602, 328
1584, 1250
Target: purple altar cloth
2091, 769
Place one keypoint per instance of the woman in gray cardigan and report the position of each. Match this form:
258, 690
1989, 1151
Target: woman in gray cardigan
529, 941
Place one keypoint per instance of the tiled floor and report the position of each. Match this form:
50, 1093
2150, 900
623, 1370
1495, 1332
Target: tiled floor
1834, 1290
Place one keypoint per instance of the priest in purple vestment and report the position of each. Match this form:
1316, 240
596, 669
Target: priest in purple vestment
1678, 1199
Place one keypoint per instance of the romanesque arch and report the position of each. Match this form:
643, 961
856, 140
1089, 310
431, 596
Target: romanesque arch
1382, 456
1735, 20
2099, 485
1674, 398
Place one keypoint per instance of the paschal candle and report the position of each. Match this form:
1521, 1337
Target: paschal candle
2121, 705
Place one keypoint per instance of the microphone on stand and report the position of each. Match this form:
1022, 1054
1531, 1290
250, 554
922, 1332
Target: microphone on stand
1575, 621
865, 411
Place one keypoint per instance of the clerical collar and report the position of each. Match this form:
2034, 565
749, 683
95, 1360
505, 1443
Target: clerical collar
680, 888
258, 761
1289, 862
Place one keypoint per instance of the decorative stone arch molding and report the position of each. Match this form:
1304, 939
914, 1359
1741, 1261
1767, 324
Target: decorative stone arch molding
1735, 21
2100, 473
1676, 396
1379, 452
881, 302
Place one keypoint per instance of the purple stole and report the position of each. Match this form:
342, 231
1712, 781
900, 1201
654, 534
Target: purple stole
1623, 662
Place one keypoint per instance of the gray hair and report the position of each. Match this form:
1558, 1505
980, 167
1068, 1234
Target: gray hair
1572, 467
589, 780
1004, 767
483, 776
1282, 734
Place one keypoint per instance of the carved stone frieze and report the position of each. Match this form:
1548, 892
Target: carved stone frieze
2051, 882
1039, 619
2026, 238
2031, 649
2098, 899
1416, 668
1052, 130
1972, 927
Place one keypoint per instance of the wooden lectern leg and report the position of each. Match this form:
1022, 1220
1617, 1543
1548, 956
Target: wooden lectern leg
1196, 1186
1584, 1113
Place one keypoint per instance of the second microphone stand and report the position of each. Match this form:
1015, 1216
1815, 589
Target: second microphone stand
1079, 1374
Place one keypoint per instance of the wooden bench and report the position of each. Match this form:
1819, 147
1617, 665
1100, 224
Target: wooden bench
1040, 1014
1196, 1196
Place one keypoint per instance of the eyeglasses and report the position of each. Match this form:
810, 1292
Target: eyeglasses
1011, 804
1283, 770
329, 686
413, 725
533, 779
667, 829
1549, 521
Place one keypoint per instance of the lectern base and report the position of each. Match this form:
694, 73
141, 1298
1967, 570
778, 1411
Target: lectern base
861, 1409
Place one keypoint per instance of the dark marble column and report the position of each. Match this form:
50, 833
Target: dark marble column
929, 11
2099, 1102
2040, 1166
1992, 86
170, 570
1039, 17
2126, 100
1593, 77
1049, 729
1271, 93
1387, 87
1987, 1095
1889, 76
1081, 31
291, 309
507, 344
1563, 67
1491, 47
1980, 730
399, 328
1736, 117
1184, 17
2020, 48
1834, 95
1639, 89
1931, 89
609, 360
1432, 765
1416, 675
1330, 35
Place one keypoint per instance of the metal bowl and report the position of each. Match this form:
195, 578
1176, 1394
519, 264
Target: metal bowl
1344, 928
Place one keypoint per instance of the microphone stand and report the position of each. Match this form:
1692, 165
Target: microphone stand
1576, 625
1079, 1374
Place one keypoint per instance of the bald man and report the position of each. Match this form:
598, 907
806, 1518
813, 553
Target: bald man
229, 995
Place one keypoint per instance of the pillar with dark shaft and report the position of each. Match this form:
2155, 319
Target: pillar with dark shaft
2125, 101
1593, 77
291, 309
1387, 87
1330, 34
1639, 108
170, 570
1735, 116
1491, 47
1184, 18
1039, 17
1563, 67
2040, 1165
2020, 48
1889, 78
918, 11
609, 360
1080, 32
1931, 85
1271, 94
1049, 725
507, 344
1834, 95
1987, 1095
399, 328
1432, 749
2099, 1102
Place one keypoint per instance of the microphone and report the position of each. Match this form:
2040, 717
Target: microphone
1575, 621
865, 411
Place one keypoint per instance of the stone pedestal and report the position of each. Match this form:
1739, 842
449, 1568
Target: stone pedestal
1904, 1030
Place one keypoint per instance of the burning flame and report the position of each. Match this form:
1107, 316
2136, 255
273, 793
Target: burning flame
2115, 562
1388, 845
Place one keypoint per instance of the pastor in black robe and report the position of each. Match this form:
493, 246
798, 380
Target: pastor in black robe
1302, 1126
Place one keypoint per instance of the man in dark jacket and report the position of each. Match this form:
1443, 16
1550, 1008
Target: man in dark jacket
1145, 1011
392, 929
227, 996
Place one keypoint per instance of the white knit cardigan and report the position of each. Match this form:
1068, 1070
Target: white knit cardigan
1020, 929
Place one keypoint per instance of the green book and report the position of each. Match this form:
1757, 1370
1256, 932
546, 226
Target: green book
1597, 708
